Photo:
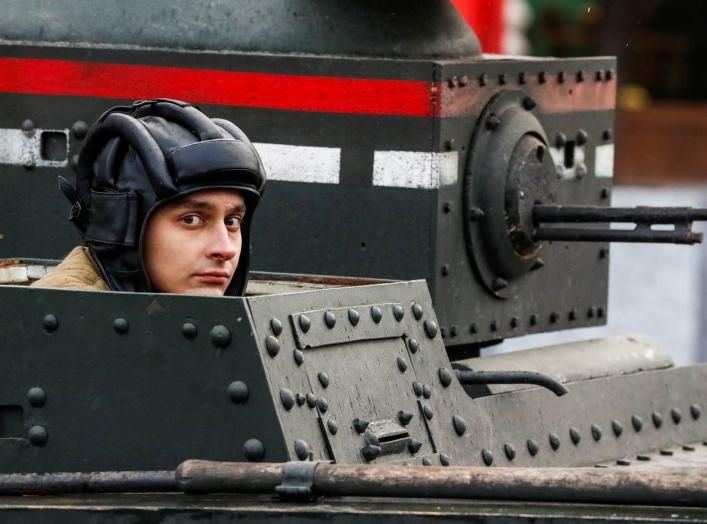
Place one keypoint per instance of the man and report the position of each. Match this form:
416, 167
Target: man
164, 199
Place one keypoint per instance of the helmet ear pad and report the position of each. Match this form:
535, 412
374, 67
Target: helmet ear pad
136, 159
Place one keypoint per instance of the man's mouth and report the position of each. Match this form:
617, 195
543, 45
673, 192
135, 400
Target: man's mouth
215, 277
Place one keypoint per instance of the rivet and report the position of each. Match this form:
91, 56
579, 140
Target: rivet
376, 314
371, 452
413, 345
36, 397
487, 456
402, 365
575, 436
28, 126
554, 317
591, 312
514, 322
220, 336
533, 447
494, 325
582, 137
238, 391
121, 326
695, 411
449, 144
414, 446
617, 427
554, 441
323, 379
360, 425
529, 103
533, 319
499, 283
688, 448
510, 451
608, 74
329, 319
430, 328
453, 82
445, 377
74, 161
398, 312
572, 315
599, 75
304, 323
189, 330
502, 78
427, 411
276, 326
483, 79
447, 207
596, 432
637, 423
404, 417
51, 323
302, 449
322, 404
643, 458
473, 328
522, 78
603, 252
560, 140
300, 398
676, 415
492, 122
459, 425
475, 213
606, 135
580, 75
298, 356
539, 262
354, 317
38, 435
605, 193
417, 388
443, 332
272, 345
623, 462
666, 452
542, 77
426, 391
657, 419
253, 450
417, 311
463, 80
453, 331
561, 77
311, 400
332, 426
426, 461
445, 270
444, 459
287, 398
79, 128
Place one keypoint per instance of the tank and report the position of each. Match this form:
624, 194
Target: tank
424, 200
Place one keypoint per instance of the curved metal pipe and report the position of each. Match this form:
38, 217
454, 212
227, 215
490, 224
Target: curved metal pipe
512, 377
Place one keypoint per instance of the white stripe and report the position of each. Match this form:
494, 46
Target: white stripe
604, 161
300, 163
415, 169
24, 148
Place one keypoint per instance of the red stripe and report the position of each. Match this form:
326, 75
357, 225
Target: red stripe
289, 92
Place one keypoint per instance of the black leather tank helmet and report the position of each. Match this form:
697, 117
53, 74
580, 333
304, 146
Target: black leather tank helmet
136, 159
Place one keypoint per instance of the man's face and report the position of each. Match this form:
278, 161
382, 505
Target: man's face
192, 246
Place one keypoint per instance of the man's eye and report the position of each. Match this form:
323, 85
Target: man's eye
233, 222
192, 220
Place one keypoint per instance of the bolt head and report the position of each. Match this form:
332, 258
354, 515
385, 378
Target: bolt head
354, 317
79, 129
38, 435
302, 450
272, 345
189, 330
51, 323
459, 425
431, 328
253, 450
220, 336
417, 311
304, 323
298, 356
444, 459
554, 440
510, 451
28, 125
287, 398
36, 397
413, 345
533, 447
487, 456
238, 391
398, 312
376, 314
276, 326
329, 319
121, 325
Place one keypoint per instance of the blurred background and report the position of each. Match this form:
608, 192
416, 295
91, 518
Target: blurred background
661, 120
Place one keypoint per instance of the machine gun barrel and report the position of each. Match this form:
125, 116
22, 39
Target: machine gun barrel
644, 217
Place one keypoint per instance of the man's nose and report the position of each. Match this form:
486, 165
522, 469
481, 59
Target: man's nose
222, 244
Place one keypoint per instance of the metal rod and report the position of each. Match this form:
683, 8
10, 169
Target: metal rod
670, 487
617, 235
96, 482
635, 215
511, 377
